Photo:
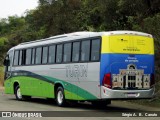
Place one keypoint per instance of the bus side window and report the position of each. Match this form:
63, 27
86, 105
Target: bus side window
20, 57
75, 51
24, 57
67, 52
85, 50
59, 53
33, 56
28, 57
51, 56
16, 57
45, 55
95, 50
38, 55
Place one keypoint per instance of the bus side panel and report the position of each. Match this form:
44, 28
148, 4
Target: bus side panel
30, 86
8, 86
90, 82
80, 81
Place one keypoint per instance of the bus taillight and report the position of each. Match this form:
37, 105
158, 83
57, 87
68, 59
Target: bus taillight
107, 80
152, 80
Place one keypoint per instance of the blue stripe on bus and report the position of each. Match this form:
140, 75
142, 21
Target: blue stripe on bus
112, 63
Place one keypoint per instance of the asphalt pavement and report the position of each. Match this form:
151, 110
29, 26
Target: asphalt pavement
37, 107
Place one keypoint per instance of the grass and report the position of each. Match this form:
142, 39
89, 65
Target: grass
1, 76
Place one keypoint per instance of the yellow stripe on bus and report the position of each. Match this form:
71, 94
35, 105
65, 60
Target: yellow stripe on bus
127, 44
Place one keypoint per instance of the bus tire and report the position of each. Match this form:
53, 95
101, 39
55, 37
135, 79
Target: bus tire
60, 97
18, 93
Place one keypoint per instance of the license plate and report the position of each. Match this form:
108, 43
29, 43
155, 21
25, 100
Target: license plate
131, 95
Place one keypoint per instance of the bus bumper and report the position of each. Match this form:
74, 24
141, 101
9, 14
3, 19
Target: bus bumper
107, 93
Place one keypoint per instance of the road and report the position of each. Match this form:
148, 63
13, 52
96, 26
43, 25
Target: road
9, 103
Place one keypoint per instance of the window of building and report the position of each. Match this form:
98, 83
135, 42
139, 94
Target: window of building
52, 51
95, 50
75, 51
38, 55
16, 55
67, 52
59, 54
45, 55
28, 57
33, 55
85, 50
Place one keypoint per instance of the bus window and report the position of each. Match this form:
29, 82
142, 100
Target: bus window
95, 50
33, 55
28, 56
24, 57
75, 51
45, 55
85, 50
38, 55
59, 54
16, 55
67, 52
51, 57
20, 57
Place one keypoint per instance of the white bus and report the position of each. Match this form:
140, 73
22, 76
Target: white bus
83, 66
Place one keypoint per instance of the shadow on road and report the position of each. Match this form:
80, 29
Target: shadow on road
80, 105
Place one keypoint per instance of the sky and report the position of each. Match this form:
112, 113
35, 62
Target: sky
16, 7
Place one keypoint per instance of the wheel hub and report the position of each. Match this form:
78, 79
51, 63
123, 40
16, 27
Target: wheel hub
60, 97
19, 95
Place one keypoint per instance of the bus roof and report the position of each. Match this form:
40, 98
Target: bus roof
74, 36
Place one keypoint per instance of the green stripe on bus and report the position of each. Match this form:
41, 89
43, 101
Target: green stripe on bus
45, 88
73, 88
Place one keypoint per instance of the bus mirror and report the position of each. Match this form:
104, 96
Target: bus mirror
6, 62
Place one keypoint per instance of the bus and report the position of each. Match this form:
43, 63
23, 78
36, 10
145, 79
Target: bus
83, 66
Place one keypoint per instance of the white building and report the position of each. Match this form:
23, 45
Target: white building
131, 78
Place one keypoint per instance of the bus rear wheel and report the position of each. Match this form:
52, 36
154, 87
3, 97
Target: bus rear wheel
60, 97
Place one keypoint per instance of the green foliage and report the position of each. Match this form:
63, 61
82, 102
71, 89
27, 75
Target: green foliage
3, 40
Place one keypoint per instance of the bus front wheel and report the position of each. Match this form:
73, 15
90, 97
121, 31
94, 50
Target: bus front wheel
18, 93
19, 96
60, 97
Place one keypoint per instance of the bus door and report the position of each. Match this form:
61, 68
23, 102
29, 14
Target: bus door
8, 65
8, 70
